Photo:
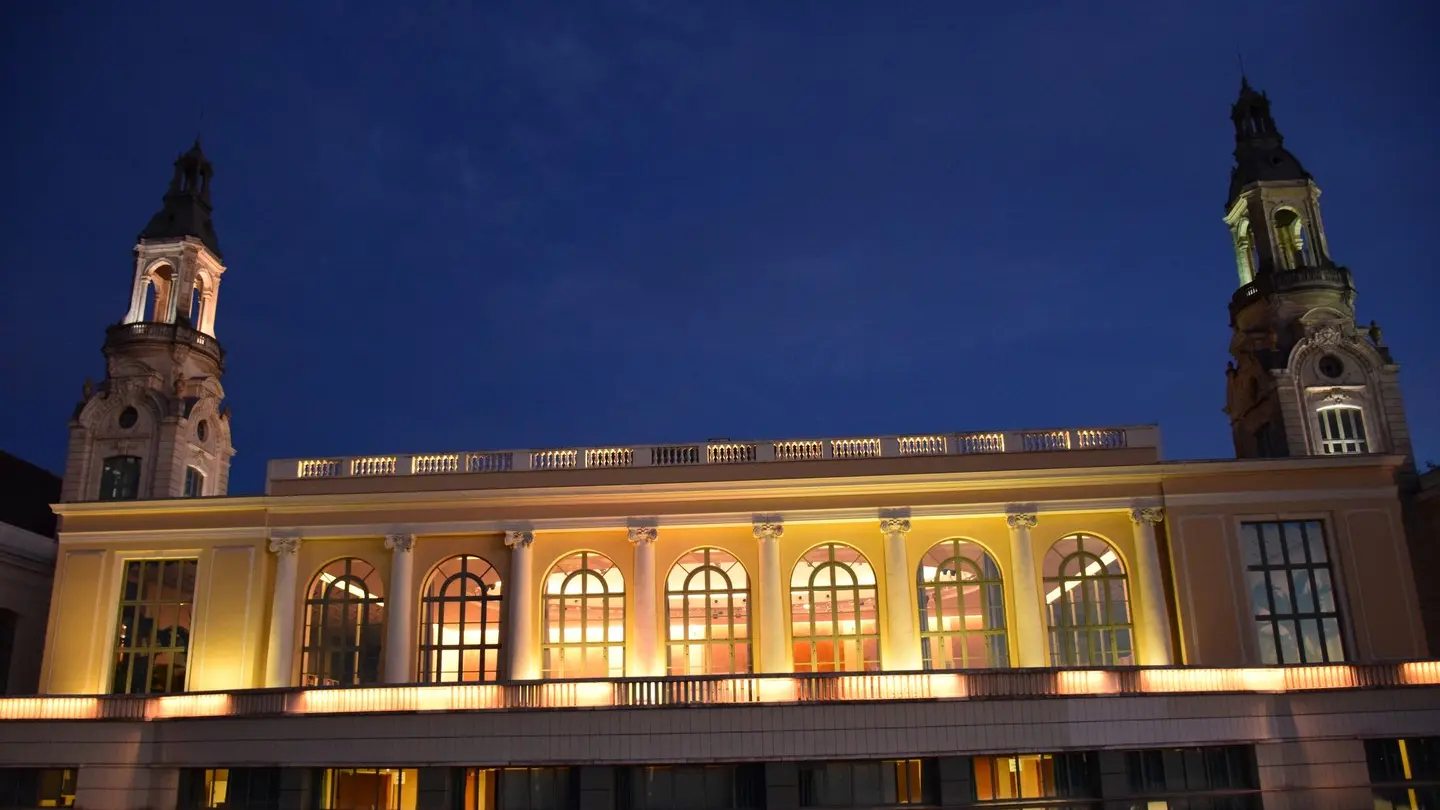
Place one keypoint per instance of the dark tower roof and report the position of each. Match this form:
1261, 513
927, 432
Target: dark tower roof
1260, 153
186, 211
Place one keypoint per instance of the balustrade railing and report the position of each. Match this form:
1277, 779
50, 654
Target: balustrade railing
726, 690
722, 451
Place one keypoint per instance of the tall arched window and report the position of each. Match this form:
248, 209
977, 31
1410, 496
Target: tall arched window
1087, 602
344, 625
834, 613
1342, 430
584, 618
460, 622
962, 608
707, 594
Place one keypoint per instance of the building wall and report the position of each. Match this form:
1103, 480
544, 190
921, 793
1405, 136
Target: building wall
1204, 504
27, 563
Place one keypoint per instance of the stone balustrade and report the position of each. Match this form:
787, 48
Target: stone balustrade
720, 451
723, 690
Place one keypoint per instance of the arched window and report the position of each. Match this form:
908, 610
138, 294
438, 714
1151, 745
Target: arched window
460, 622
834, 613
344, 625
120, 475
584, 618
1087, 602
707, 595
962, 608
1245, 259
1290, 230
1342, 430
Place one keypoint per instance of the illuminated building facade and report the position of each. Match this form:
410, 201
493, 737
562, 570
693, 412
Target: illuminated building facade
1047, 618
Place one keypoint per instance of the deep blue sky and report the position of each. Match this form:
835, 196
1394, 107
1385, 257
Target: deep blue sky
455, 225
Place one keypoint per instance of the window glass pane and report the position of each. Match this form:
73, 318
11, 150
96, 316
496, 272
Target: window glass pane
344, 620
152, 635
708, 624
834, 611
1292, 594
584, 618
1087, 604
460, 622
962, 607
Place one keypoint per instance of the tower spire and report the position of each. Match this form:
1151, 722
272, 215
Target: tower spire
185, 210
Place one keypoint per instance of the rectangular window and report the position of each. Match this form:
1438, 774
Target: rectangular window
37, 787
369, 789
194, 483
1072, 775
152, 637
692, 787
1404, 773
1220, 777
1342, 431
229, 788
516, 788
888, 782
1297, 612
120, 478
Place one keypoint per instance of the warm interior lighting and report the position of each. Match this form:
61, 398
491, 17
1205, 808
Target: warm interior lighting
208, 705
1090, 570
593, 693
778, 690
1420, 672
1341, 676
948, 685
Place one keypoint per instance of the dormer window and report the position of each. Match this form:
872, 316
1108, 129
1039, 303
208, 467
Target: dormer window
120, 478
194, 483
1342, 430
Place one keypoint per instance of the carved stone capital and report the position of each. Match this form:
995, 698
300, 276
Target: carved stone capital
640, 535
399, 542
1021, 520
889, 526
769, 531
284, 546
518, 540
1148, 514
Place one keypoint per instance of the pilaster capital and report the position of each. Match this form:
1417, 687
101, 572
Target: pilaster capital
769, 531
400, 542
643, 535
1148, 514
518, 539
1020, 520
284, 545
889, 526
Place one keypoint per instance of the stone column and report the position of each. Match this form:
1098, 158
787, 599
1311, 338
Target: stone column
400, 615
904, 644
774, 655
520, 604
1028, 622
1155, 626
647, 622
137, 299
280, 654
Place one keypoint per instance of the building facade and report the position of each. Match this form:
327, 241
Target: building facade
27, 568
1046, 618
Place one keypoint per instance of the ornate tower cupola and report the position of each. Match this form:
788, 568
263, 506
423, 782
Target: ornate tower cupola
156, 426
1305, 379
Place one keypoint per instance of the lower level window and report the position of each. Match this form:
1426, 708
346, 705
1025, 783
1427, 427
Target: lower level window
1404, 773
229, 788
369, 789
692, 787
1212, 778
37, 787
517, 788
885, 782
1037, 776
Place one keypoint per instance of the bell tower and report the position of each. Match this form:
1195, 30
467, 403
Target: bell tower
156, 426
1305, 380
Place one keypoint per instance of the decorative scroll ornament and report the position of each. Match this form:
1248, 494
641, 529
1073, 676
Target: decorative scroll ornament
1149, 514
1327, 336
1021, 520
284, 546
769, 531
643, 534
890, 526
516, 540
399, 542
1337, 395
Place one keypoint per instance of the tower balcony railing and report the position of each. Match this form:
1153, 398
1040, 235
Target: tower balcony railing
719, 452
157, 332
727, 690
1300, 278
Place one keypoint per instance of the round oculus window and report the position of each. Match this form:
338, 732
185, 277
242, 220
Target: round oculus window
202, 430
129, 417
1331, 366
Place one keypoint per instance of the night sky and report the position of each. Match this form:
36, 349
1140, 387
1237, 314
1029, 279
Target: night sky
464, 226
